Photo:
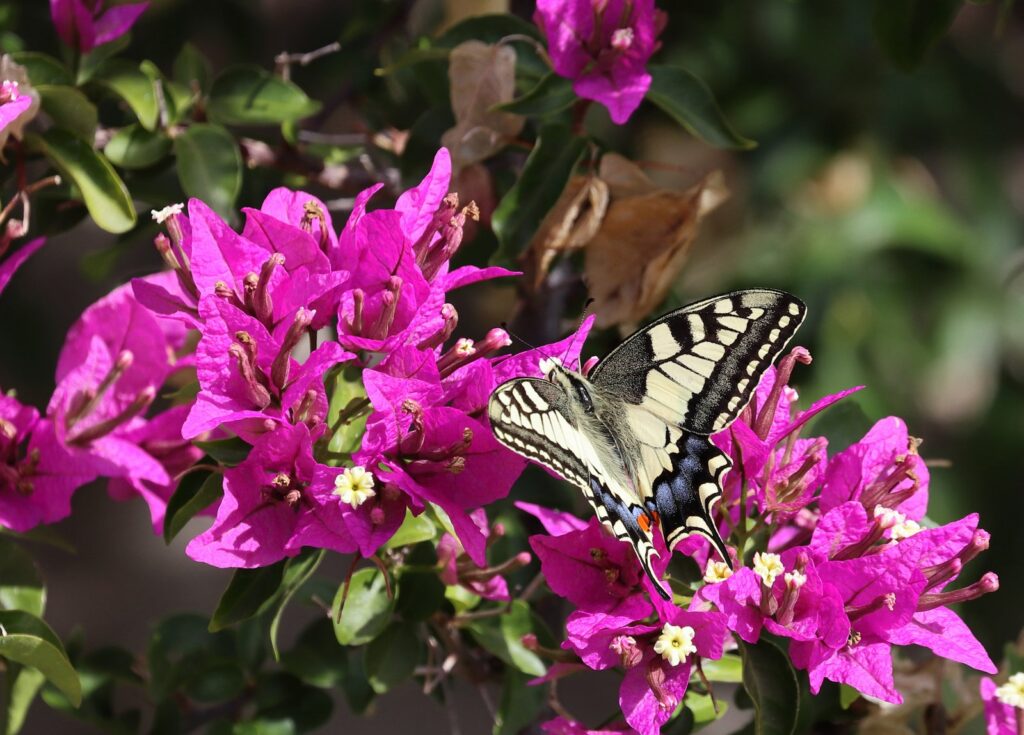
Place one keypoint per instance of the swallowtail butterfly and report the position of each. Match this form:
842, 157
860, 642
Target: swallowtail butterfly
634, 433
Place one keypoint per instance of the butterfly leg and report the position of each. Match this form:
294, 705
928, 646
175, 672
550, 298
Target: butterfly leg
685, 495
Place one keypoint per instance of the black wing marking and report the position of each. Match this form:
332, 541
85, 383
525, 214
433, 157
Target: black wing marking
630, 523
683, 496
697, 367
527, 416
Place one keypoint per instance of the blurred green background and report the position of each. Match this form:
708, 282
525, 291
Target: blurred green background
891, 200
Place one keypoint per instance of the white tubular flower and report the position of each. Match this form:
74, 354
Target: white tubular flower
716, 571
1012, 692
675, 643
161, 215
768, 567
354, 486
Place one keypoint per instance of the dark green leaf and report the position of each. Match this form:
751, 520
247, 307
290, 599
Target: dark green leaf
250, 592
421, 595
842, 424
22, 693
228, 452
392, 656
316, 657
413, 530
771, 683
135, 147
249, 95
689, 102
27, 640
356, 686
264, 727
297, 572
101, 188
21, 587
281, 696
69, 109
520, 703
551, 94
547, 170
132, 85
43, 69
210, 166
191, 68
503, 636
219, 683
412, 57
196, 492
346, 423
906, 29
177, 645
367, 609
489, 29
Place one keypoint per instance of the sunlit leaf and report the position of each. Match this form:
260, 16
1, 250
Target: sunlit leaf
134, 147
69, 109
250, 95
503, 636
102, 190
367, 608
27, 640
132, 85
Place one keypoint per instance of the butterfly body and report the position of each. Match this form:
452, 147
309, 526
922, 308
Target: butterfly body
634, 433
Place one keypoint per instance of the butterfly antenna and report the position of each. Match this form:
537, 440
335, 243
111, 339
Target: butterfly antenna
532, 348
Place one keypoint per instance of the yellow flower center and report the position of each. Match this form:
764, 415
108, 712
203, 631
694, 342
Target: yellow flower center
768, 567
717, 571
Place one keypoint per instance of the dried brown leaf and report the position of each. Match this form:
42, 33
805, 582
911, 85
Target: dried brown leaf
571, 224
481, 76
643, 241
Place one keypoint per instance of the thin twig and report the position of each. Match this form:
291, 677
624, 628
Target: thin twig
284, 60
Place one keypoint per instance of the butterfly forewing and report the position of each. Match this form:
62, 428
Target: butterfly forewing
528, 416
698, 367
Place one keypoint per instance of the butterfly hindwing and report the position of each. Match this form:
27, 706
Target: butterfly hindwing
684, 495
698, 367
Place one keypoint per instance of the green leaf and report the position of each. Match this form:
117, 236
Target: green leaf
842, 424
421, 595
316, 657
551, 94
412, 57
210, 166
702, 707
906, 29
503, 636
21, 586
250, 95
250, 592
196, 492
367, 609
133, 85
391, 657
102, 190
27, 640
689, 102
346, 392
191, 68
489, 29
229, 452
221, 682
771, 683
281, 696
727, 669
520, 704
43, 69
547, 171
847, 695
297, 572
413, 530
69, 109
23, 692
134, 147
